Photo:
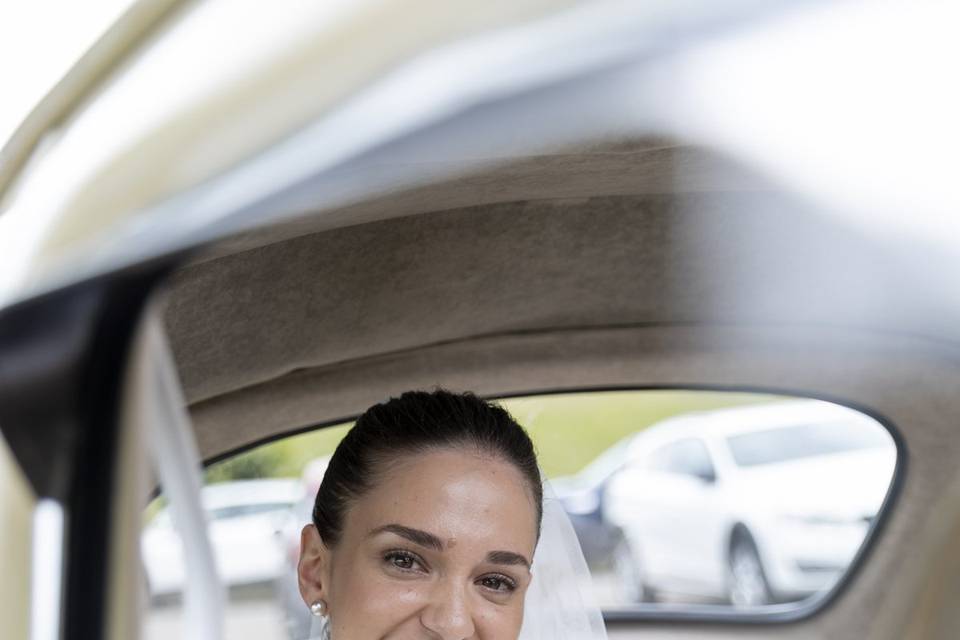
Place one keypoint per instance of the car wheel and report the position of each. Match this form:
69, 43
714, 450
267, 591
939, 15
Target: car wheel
747, 583
630, 573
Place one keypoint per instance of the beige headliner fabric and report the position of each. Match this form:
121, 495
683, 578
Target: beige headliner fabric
616, 167
403, 283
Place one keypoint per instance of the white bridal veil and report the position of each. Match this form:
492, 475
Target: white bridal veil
557, 605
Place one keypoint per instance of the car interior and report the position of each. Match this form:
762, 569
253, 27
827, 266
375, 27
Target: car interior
553, 265
625, 265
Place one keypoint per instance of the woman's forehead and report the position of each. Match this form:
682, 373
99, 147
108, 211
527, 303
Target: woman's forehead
460, 496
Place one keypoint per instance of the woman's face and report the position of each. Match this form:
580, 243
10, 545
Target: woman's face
439, 549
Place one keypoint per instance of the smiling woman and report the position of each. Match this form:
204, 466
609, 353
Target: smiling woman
426, 520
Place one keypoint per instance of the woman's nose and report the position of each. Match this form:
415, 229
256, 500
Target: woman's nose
449, 615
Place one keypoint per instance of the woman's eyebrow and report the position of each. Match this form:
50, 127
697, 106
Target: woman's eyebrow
507, 557
416, 536
430, 541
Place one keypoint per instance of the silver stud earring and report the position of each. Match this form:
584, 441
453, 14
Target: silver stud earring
319, 608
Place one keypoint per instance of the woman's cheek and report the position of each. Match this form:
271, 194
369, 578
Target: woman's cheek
500, 621
373, 606
394, 598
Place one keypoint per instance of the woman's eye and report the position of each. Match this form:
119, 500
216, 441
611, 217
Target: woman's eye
402, 560
502, 584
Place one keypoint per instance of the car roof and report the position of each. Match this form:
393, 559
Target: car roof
719, 423
496, 235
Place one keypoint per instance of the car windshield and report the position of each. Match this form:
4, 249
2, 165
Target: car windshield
803, 441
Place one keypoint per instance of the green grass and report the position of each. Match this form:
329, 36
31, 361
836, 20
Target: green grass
568, 430
283, 458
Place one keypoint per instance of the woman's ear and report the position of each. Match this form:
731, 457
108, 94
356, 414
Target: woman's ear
314, 566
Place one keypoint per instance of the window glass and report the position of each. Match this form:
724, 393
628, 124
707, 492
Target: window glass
256, 503
774, 521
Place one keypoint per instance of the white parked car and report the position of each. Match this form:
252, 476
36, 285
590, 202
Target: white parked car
750, 505
243, 517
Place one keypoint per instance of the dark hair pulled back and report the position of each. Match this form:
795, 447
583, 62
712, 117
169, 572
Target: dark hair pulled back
417, 422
